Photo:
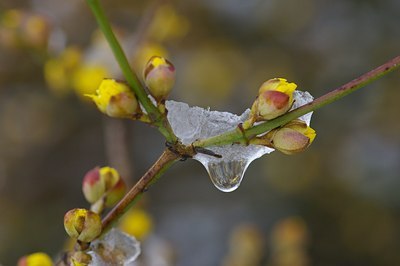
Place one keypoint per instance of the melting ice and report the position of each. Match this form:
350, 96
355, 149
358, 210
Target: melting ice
115, 248
192, 123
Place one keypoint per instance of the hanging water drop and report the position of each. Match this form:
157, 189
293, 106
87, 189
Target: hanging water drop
227, 175
192, 123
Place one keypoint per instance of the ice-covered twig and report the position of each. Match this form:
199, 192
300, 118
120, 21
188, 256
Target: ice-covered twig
236, 136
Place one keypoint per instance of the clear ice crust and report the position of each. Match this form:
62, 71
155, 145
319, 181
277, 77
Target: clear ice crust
115, 248
193, 123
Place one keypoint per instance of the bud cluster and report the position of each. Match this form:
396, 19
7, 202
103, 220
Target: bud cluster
275, 98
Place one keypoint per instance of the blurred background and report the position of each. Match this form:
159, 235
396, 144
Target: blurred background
335, 204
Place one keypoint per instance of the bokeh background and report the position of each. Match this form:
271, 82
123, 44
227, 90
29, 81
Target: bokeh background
335, 204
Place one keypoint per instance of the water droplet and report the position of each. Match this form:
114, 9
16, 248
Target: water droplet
226, 175
227, 172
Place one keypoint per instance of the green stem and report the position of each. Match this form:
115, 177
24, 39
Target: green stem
237, 136
158, 119
165, 161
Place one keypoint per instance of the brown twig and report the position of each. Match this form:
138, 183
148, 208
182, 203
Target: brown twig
166, 159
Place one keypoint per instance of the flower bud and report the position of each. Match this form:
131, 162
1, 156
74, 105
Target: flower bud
115, 99
82, 224
292, 138
116, 193
38, 258
93, 186
80, 258
159, 76
105, 184
275, 98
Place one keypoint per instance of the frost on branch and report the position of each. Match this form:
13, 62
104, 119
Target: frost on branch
116, 248
192, 123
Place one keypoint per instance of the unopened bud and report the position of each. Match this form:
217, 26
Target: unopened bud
104, 184
274, 99
80, 258
82, 224
159, 76
115, 99
93, 186
116, 193
35, 259
292, 138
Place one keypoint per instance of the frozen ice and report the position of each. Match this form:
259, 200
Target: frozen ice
301, 98
115, 248
192, 123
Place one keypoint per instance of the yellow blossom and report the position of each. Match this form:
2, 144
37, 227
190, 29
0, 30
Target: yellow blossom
35, 259
115, 99
87, 78
58, 71
24, 29
137, 223
11, 19
168, 24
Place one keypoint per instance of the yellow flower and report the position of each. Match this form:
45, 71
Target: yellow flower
35, 259
87, 78
24, 29
168, 24
58, 71
115, 99
11, 19
137, 223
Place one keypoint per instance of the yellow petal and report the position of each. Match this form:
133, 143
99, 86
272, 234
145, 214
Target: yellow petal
38, 259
